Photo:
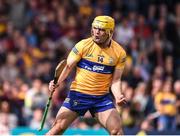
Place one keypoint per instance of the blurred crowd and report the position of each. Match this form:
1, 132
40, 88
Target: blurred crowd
36, 34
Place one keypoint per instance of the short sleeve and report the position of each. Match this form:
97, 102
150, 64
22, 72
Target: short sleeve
121, 61
77, 51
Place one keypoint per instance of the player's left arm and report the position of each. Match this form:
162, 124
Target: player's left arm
116, 87
116, 80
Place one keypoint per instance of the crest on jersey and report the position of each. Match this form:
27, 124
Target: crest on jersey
111, 61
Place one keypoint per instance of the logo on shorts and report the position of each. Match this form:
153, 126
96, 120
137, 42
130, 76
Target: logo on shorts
67, 100
75, 103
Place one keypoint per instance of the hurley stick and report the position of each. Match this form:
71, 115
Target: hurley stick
58, 71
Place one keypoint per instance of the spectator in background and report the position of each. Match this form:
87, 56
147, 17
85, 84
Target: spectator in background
165, 103
30, 36
8, 118
35, 122
133, 49
85, 8
4, 128
145, 127
142, 30
153, 88
132, 19
177, 92
140, 98
9, 71
157, 54
163, 11
151, 15
124, 33
135, 77
17, 13
168, 67
35, 98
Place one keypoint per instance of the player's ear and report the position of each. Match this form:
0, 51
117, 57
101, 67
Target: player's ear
111, 31
91, 31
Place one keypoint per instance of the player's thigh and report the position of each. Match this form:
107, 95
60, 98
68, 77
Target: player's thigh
65, 117
110, 119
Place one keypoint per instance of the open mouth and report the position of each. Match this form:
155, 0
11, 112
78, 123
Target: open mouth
97, 37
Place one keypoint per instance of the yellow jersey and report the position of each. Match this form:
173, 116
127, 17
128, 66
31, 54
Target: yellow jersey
166, 102
95, 66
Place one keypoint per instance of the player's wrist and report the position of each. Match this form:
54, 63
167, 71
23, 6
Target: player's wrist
119, 96
57, 85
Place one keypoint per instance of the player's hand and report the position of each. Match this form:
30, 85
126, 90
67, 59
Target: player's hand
52, 86
120, 100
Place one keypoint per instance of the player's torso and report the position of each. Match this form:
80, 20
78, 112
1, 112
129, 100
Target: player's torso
95, 69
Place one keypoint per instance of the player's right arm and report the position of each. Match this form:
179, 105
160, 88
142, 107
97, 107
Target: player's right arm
70, 63
73, 57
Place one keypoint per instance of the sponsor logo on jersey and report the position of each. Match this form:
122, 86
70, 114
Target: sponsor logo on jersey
95, 67
98, 68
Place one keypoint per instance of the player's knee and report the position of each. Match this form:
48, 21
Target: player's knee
60, 126
116, 131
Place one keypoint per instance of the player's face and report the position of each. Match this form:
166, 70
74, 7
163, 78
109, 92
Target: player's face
99, 35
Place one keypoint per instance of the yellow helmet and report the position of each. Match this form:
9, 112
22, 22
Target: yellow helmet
104, 22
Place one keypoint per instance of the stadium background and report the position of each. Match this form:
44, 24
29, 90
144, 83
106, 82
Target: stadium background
36, 34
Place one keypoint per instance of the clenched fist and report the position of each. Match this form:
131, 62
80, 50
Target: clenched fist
52, 86
120, 100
